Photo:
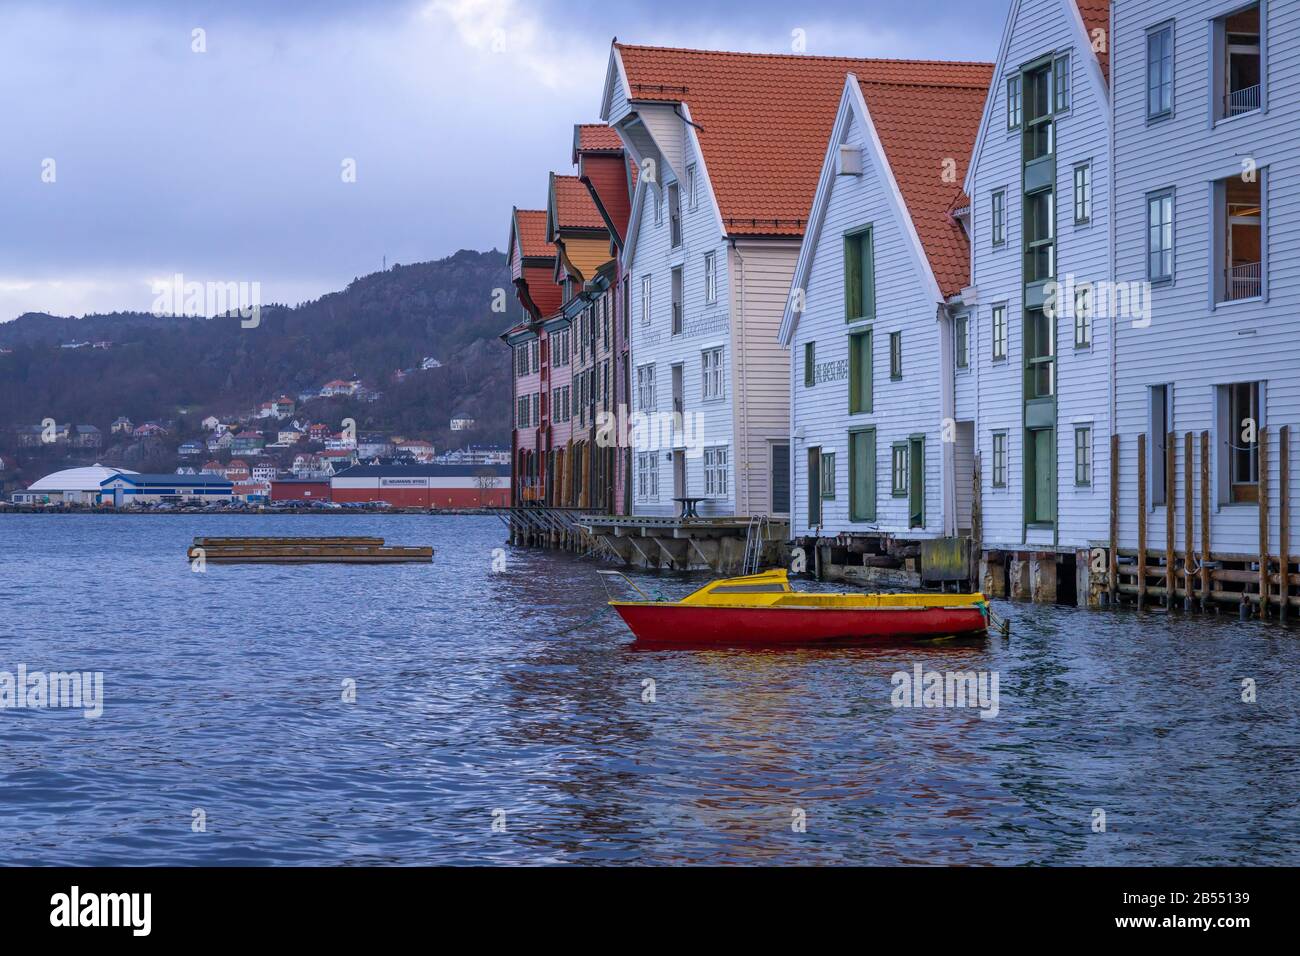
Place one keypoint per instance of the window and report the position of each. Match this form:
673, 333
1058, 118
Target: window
647, 475
809, 364
659, 206
536, 354
1083, 316
1083, 455
999, 217
1083, 193
862, 475
675, 214
999, 459
898, 470
895, 355
710, 277
1160, 236
828, 474
692, 196
999, 333
715, 471
1242, 441
521, 413
1160, 72
645, 300
521, 360
1161, 417
645, 387
860, 372
961, 340
537, 409
711, 363
1015, 103
1239, 238
627, 310
859, 277
1040, 355
678, 305
1238, 71
1061, 83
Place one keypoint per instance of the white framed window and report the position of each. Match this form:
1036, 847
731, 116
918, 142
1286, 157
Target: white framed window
1160, 236
645, 387
961, 341
659, 205
1083, 193
1160, 72
715, 471
710, 277
692, 197
1083, 456
1083, 316
998, 214
1061, 83
1015, 102
999, 333
999, 459
711, 365
645, 300
647, 475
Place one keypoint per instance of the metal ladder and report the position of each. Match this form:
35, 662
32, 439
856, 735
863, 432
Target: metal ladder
755, 541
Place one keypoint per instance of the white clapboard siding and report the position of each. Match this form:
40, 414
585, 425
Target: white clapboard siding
904, 302
1190, 343
990, 393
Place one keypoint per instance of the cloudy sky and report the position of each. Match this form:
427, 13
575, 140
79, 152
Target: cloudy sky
134, 147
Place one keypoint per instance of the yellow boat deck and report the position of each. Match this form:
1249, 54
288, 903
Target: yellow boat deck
772, 589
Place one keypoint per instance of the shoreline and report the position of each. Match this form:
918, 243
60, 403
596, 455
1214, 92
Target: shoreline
244, 512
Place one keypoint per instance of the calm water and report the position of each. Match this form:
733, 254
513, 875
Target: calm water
223, 693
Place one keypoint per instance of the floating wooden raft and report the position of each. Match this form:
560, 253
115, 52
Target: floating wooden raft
358, 550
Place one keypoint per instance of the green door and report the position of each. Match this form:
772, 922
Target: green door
814, 487
916, 483
1042, 510
862, 475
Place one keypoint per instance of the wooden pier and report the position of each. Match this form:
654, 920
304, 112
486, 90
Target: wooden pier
338, 550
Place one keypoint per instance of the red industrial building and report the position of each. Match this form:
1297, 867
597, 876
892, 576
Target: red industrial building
300, 489
424, 486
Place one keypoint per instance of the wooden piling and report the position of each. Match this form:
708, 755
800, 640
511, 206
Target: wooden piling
1189, 546
1263, 523
1284, 518
1171, 485
1113, 569
1205, 521
1142, 520
976, 524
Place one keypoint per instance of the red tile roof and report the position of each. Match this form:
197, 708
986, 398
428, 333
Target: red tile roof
764, 119
1096, 16
531, 224
574, 207
928, 133
596, 137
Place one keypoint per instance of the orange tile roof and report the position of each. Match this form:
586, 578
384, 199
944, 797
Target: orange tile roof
574, 207
764, 119
928, 133
1096, 16
597, 137
531, 224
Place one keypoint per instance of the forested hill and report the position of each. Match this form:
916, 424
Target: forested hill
159, 368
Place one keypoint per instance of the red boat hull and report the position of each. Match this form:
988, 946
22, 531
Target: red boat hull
683, 624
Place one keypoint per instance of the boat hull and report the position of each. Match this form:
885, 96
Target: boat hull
696, 625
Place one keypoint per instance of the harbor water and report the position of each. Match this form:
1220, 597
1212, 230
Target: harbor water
483, 709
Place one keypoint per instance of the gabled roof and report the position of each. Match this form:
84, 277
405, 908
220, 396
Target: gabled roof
1096, 16
912, 132
570, 206
595, 138
529, 226
762, 119
920, 127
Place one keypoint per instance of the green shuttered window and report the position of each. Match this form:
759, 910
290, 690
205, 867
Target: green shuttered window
862, 475
809, 364
859, 277
860, 372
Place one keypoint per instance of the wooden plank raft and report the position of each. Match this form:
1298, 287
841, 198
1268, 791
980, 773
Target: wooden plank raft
360, 550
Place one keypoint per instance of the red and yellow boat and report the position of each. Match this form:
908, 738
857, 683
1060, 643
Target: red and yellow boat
765, 609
